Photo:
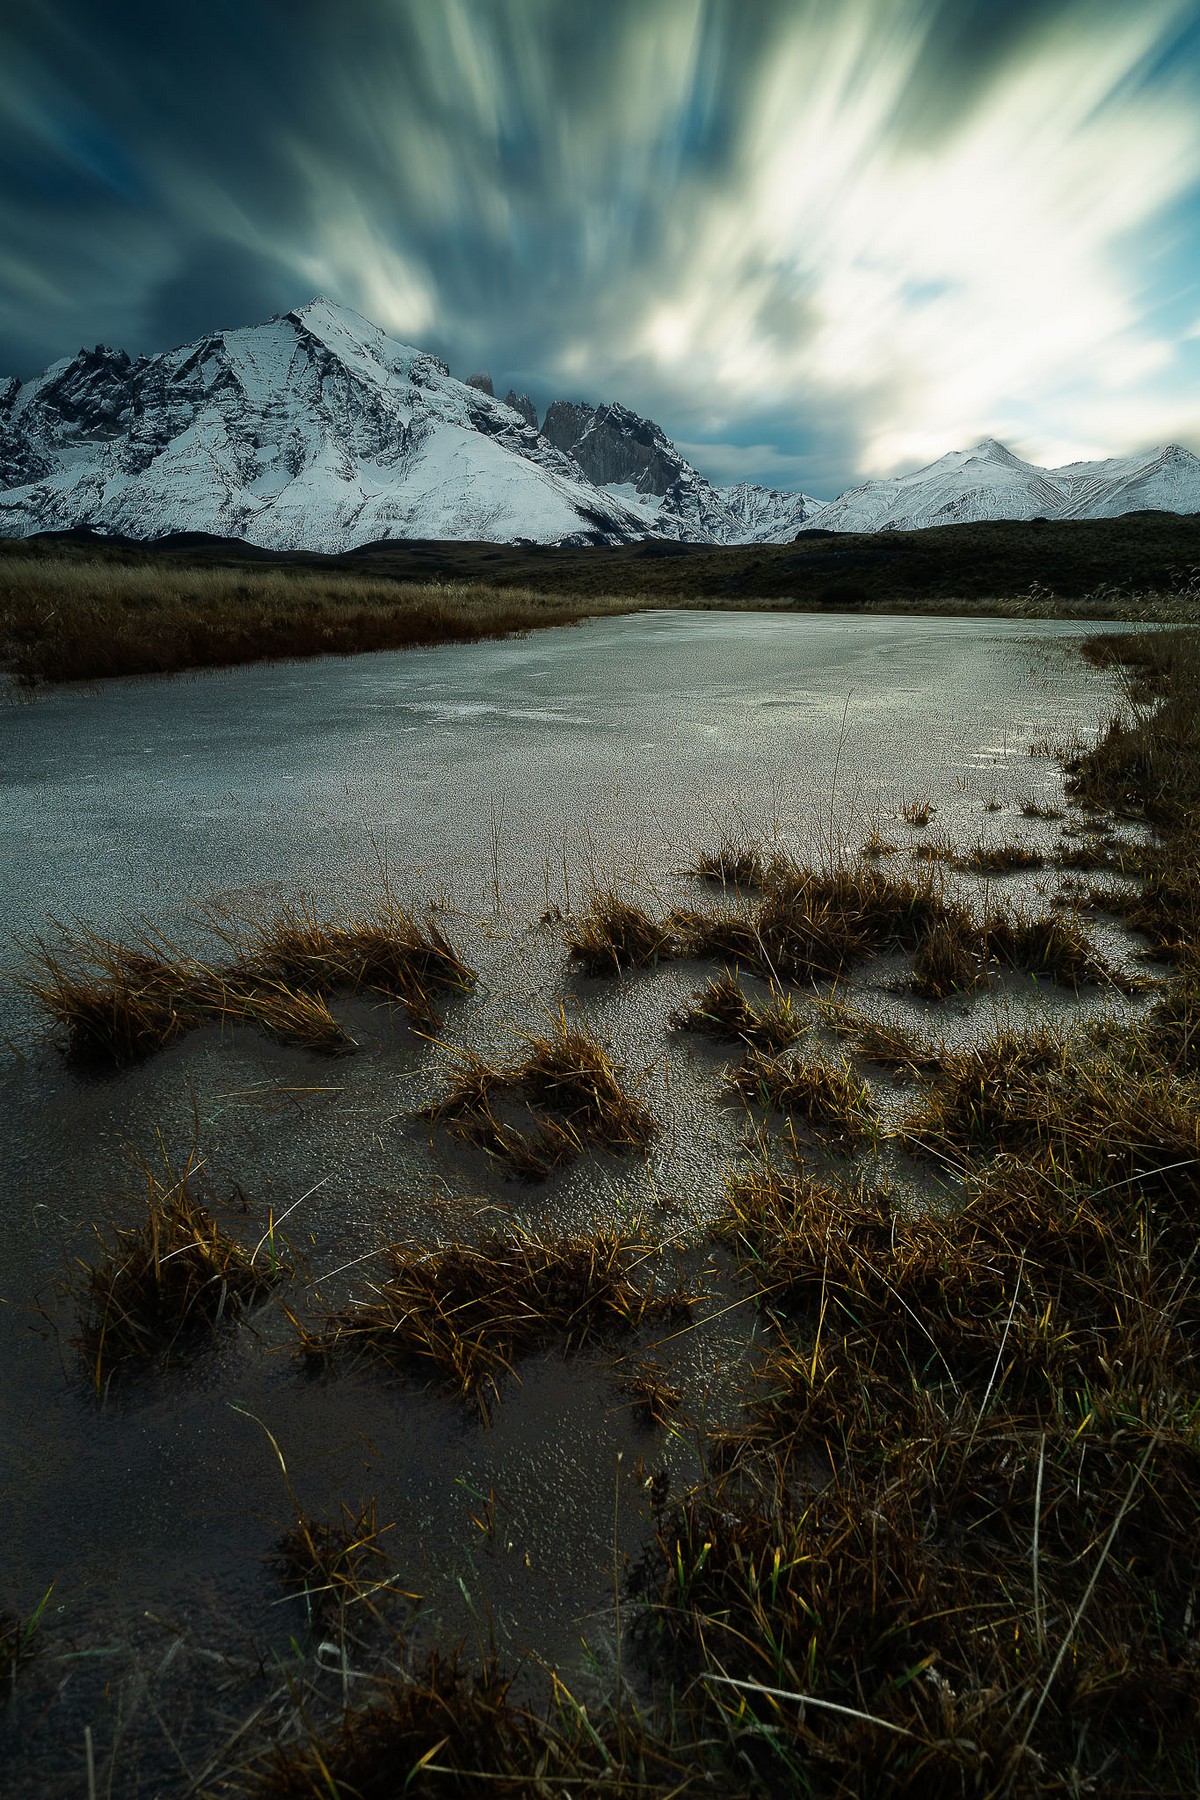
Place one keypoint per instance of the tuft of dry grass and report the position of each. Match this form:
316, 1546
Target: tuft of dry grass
570, 1097
333, 1563
884, 1042
722, 1010
733, 863
1001, 859
613, 935
472, 1309
918, 811
1050, 944
952, 1529
829, 1097
117, 1003
656, 1398
439, 1727
161, 1287
948, 958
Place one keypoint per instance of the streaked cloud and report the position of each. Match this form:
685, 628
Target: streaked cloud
827, 242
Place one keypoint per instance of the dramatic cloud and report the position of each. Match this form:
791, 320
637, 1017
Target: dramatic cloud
816, 242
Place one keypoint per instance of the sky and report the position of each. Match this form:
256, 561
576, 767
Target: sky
818, 241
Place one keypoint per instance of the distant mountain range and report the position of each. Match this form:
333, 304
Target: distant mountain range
318, 431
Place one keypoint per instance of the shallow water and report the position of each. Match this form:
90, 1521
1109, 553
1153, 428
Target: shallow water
499, 779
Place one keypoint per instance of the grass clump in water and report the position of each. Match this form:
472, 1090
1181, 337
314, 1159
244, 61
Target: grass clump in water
947, 958
952, 1529
472, 1310
732, 864
829, 1097
439, 1727
885, 1042
161, 1287
810, 924
615, 934
117, 1003
566, 1093
1001, 859
723, 1010
333, 1563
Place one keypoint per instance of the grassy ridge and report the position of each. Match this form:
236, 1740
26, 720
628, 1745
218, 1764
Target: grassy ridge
80, 608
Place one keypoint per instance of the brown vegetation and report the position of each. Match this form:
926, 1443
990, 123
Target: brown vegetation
570, 1096
722, 1010
827, 1097
118, 1002
472, 1309
614, 935
161, 1287
65, 618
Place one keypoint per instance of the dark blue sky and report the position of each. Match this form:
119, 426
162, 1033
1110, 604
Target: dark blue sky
816, 240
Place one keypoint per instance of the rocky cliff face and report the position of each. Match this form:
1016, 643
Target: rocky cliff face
615, 446
522, 404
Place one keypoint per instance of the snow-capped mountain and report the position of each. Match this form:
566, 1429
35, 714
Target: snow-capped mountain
989, 482
318, 431
315, 431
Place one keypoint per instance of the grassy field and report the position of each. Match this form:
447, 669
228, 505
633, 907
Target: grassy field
78, 608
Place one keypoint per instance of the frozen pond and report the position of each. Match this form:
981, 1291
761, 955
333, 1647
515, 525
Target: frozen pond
642, 734
497, 780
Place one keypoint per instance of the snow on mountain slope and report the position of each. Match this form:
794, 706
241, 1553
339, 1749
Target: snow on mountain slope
986, 482
1166, 480
313, 431
766, 515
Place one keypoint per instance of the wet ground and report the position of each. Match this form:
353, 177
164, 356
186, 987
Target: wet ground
498, 782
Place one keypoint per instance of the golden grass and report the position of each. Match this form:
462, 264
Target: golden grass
722, 1010
67, 619
613, 935
889, 1045
333, 1563
952, 1529
828, 1097
733, 863
1001, 859
440, 1727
